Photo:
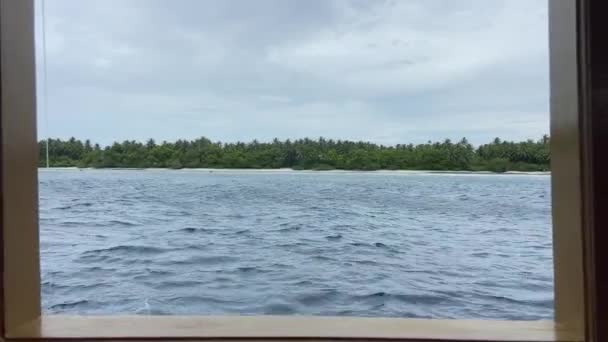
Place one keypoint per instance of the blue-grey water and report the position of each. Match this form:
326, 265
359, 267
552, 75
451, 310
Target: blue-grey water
311, 243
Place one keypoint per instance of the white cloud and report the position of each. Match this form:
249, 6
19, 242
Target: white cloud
388, 71
381, 52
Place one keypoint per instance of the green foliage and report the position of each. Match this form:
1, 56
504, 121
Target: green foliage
498, 165
303, 154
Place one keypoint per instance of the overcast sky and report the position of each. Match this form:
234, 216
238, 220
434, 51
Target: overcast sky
384, 71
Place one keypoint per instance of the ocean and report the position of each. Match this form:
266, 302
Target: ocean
239, 242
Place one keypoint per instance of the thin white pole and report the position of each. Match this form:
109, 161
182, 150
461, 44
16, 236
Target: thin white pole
44, 81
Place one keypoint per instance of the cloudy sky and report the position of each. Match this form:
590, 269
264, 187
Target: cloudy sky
394, 71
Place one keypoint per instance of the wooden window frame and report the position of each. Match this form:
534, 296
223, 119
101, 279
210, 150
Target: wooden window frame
576, 212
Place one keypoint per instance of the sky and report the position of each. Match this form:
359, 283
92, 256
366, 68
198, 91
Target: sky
386, 71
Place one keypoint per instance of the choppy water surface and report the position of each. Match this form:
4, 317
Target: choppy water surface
236, 242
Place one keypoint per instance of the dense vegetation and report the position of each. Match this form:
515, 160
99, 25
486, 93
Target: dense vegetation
320, 154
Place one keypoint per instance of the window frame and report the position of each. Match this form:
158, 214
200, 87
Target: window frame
572, 203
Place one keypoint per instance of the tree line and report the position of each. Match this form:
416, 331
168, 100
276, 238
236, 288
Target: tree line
319, 154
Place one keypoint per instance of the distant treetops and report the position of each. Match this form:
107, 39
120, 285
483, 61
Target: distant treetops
320, 154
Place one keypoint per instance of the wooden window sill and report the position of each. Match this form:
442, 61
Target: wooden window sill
286, 327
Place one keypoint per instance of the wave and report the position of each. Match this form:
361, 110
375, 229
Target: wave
202, 260
122, 223
67, 207
292, 244
322, 258
404, 298
192, 230
51, 286
172, 284
334, 237
110, 223
545, 303
367, 262
251, 269
289, 228
375, 244
98, 269
92, 258
69, 305
190, 300
128, 249
280, 257
316, 298
278, 309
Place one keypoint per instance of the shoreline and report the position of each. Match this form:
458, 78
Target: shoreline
289, 170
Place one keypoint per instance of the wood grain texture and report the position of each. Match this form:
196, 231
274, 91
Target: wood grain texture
21, 270
565, 165
120, 327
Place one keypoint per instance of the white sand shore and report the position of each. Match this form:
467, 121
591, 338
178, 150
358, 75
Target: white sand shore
288, 170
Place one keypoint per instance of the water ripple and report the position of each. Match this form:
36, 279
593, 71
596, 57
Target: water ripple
359, 244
